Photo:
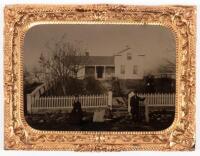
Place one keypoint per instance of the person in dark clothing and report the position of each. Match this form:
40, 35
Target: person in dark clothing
76, 113
134, 103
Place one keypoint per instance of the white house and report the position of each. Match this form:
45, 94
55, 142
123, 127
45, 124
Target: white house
129, 64
125, 64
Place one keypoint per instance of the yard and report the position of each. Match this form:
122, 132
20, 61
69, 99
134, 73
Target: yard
119, 122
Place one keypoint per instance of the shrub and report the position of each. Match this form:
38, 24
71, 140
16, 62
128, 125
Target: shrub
93, 86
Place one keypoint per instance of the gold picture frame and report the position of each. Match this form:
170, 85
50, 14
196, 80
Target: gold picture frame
179, 136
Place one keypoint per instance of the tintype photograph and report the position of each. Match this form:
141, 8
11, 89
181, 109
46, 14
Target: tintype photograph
99, 77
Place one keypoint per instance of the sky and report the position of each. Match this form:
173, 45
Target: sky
157, 43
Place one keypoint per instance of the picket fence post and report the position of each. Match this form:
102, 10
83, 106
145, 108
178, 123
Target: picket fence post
110, 99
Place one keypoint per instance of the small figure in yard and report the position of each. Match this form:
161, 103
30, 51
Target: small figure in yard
76, 113
134, 103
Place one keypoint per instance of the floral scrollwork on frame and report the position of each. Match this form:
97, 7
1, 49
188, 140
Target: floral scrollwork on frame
179, 136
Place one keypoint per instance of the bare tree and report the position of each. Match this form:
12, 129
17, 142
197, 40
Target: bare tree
26, 75
169, 64
167, 67
64, 61
37, 74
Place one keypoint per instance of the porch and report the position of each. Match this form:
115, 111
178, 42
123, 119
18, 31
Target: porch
100, 72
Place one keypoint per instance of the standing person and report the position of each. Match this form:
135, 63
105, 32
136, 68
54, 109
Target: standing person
76, 113
134, 103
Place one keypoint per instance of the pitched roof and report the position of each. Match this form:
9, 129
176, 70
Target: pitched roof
124, 50
129, 50
99, 60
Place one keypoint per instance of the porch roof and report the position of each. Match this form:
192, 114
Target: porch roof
99, 60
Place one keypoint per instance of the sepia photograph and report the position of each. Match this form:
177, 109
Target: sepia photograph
99, 77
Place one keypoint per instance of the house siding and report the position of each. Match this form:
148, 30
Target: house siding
122, 60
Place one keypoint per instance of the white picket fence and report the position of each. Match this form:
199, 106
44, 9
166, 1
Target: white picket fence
154, 100
37, 104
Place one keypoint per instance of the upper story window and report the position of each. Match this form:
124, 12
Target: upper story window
135, 69
129, 56
122, 69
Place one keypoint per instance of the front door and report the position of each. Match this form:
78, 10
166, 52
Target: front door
100, 71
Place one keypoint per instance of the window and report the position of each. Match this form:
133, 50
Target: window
129, 56
135, 69
122, 69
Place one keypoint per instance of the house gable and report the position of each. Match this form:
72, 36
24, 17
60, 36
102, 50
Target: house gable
129, 64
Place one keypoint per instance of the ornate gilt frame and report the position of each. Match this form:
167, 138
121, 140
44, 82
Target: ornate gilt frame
179, 136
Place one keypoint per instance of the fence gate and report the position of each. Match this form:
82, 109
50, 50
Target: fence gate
154, 100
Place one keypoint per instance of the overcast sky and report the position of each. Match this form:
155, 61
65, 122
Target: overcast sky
156, 42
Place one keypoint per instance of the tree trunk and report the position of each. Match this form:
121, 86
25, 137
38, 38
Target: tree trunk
63, 89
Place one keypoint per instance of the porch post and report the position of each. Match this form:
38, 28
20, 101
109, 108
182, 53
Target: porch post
95, 72
104, 72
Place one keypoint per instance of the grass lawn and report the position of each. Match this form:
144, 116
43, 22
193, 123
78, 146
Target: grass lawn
60, 122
